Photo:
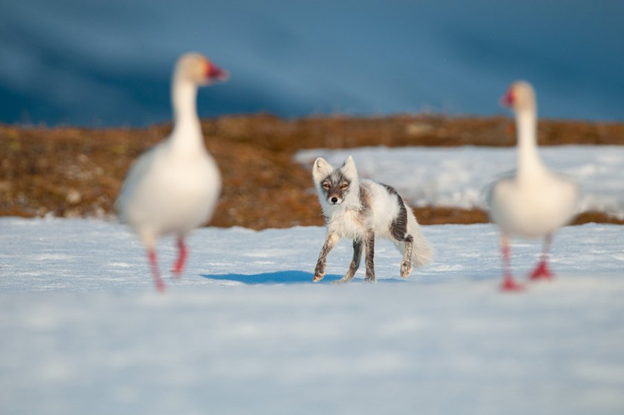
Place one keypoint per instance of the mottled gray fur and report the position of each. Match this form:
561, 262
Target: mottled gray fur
330, 241
398, 229
335, 186
369, 244
347, 208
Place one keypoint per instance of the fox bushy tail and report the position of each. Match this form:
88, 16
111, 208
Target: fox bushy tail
422, 251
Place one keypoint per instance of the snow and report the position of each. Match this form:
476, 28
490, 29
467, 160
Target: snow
245, 331
456, 176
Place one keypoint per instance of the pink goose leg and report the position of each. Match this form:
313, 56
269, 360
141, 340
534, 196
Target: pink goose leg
158, 281
509, 284
182, 254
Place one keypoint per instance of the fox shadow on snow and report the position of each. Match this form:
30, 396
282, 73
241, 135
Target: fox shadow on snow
277, 277
281, 277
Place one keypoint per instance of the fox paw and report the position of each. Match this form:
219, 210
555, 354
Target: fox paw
317, 277
370, 278
406, 269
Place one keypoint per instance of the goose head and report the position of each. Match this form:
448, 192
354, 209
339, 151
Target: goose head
519, 96
197, 69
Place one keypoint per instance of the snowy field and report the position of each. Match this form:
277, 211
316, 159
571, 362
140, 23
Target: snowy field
457, 176
246, 332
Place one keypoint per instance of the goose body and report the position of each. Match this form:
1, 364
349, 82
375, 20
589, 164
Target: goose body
532, 202
174, 187
167, 193
533, 208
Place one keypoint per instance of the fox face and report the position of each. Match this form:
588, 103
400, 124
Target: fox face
334, 185
334, 188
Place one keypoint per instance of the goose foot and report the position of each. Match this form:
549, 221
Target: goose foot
541, 272
510, 285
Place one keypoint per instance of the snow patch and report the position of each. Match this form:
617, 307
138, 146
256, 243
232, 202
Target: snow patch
456, 177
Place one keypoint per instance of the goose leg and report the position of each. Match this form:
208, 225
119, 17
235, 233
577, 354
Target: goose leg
542, 271
182, 254
158, 281
508, 284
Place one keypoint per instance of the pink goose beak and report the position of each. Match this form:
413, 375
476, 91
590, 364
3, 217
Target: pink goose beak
213, 72
508, 99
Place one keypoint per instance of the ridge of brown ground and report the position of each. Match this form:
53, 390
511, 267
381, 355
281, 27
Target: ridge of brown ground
77, 172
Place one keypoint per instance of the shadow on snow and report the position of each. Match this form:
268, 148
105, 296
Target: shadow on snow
283, 277
278, 277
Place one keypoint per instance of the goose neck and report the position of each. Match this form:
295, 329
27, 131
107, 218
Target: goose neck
529, 161
186, 126
184, 101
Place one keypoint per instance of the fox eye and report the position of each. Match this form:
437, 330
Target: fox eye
326, 186
344, 186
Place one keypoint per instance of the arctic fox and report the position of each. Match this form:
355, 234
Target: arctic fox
363, 210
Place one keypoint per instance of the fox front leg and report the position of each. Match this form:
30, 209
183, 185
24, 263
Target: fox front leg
369, 245
358, 247
330, 241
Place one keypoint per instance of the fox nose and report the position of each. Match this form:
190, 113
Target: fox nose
334, 199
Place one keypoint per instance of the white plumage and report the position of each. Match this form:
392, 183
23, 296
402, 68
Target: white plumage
174, 187
531, 202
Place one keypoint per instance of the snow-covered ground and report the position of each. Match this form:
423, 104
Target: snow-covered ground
457, 176
246, 332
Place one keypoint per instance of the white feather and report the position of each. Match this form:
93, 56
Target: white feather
174, 187
531, 201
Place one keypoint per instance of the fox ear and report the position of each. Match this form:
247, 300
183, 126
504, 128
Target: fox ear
321, 169
348, 168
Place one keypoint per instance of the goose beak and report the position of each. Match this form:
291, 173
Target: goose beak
508, 99
214, 73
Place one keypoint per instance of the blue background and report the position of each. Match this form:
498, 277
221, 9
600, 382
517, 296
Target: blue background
108, 62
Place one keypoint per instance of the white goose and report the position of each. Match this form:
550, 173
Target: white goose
174, 187
533, 201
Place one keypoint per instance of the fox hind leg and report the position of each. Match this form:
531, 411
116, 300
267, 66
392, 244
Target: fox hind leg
406, 264
403, 240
